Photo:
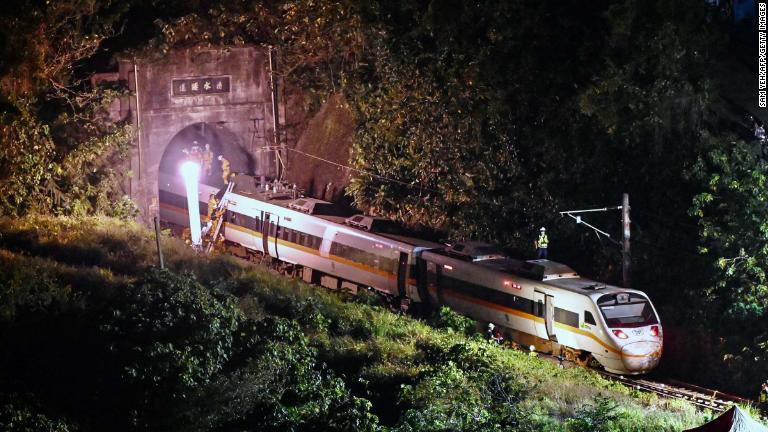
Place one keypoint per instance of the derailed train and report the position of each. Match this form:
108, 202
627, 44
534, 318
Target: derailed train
540, 302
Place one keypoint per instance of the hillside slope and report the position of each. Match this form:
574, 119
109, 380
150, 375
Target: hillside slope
94, 338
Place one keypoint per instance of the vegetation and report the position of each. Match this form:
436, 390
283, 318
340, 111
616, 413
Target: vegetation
60, 152
482, 119
96, 338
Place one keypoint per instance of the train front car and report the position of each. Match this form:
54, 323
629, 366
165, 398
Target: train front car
633, 326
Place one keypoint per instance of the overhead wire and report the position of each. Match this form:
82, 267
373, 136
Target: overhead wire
665, 250
347, 167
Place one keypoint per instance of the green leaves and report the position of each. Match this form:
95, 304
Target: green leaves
596, 417
173, 336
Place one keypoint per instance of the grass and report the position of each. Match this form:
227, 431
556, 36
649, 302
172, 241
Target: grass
382, 356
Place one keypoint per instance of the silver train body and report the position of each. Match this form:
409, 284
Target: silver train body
538, 300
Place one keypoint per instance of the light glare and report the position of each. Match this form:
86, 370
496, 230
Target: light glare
190, 171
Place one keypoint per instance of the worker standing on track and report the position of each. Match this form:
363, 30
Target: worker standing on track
225, 169
763, 394
542, 244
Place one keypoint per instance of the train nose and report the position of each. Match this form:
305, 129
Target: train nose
641, 356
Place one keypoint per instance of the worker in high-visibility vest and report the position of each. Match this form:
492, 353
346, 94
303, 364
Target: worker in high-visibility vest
542, 244
225, 169
211, 205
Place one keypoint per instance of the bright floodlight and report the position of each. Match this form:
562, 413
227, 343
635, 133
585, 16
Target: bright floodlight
190, 171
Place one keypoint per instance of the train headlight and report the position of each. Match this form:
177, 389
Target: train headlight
620, 334
655, 331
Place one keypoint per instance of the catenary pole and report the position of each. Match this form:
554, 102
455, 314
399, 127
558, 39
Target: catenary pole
275, 110
626, 261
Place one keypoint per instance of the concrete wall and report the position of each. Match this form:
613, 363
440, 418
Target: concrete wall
245, 110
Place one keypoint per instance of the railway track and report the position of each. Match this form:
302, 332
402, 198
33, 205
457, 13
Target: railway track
699, 396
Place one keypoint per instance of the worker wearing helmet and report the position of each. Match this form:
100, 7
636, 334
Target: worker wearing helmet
494, 334
542, 244
225, 169
212, 203
491, 327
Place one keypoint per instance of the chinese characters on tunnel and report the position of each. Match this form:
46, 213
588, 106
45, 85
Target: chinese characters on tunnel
200, 86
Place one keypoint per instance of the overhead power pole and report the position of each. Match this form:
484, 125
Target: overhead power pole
626, 261
273, 84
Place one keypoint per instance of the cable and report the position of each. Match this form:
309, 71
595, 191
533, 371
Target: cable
381, 177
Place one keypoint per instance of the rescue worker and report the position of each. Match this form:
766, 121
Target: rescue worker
207, 160
195, 154
491, 327
759, 131
764, 394
542, 244
225, 169
211, 205
532, 351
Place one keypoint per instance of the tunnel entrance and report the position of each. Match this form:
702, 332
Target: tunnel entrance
221, 142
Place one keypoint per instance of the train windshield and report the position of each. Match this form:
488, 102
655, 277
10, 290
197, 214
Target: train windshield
627, 310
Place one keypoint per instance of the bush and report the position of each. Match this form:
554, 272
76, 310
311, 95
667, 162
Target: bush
20, 415
596, 417
171, 335
446, 318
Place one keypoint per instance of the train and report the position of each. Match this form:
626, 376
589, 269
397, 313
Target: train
539, 302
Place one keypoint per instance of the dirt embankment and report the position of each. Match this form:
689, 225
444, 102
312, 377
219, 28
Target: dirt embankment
328, 136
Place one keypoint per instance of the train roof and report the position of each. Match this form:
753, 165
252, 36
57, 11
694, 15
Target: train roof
289, 199
554, 274
587, 286
540, 269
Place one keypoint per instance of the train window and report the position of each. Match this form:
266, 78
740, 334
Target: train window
588, 318
566, 317
636, 311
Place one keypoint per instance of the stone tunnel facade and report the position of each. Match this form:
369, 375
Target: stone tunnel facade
220, 97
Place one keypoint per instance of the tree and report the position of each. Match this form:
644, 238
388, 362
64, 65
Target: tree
454, 114
47, 109
172, 336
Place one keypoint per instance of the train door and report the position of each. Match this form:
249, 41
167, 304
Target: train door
549, 317
421, 281
265, 232
274, 231
544, 308
402, 273
434, 273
